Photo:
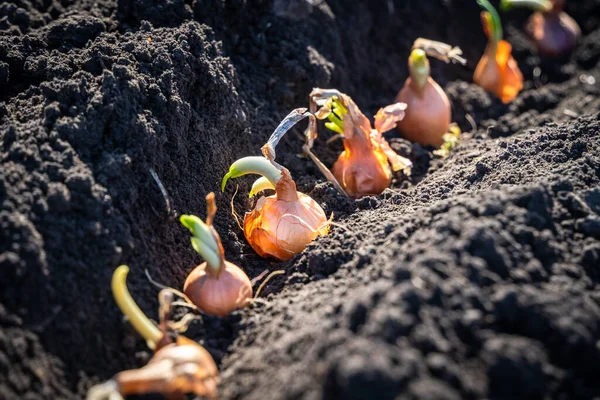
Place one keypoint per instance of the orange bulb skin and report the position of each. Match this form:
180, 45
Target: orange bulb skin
218, 295
362, 173
428, 113
499, 73
281, 228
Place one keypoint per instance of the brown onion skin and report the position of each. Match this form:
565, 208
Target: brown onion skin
218, 295
199, 374
273, 234
554, 33
281, 225
361, 169
428, 113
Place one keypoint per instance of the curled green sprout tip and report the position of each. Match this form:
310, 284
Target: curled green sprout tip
203, 240
130, 309
252, 165
259, 185
493, 19
336, 115
419, 67
537, 5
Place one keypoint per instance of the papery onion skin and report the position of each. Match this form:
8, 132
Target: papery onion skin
175, 369
428, 113
218, 295
281, 225
361, 169
499, 73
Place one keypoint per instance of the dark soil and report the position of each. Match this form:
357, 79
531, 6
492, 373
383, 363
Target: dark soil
478, 278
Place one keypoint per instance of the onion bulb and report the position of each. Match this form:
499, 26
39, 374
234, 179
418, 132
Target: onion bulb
497, 71
363, 168
221, 295
280, 225
175, 368
553, 31
216, 287
428, 114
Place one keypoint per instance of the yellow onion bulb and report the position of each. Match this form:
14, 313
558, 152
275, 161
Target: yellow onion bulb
218, 295
175, 369
281, 225
281, 228
216, 286
499, 73
362, 171
363, 168
428, 113
497, 70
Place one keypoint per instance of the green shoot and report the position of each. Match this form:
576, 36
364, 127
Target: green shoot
537, 5
136, 317
419, 67
259, 185
493, 19
252, 165
336, 115
451, 139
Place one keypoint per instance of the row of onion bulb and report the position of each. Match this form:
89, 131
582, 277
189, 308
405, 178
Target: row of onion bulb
283, 224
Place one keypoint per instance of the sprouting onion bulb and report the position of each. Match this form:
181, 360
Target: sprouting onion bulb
216, 286
428, 113
280, 225
497, 71
553, 31
174, 370
363, 168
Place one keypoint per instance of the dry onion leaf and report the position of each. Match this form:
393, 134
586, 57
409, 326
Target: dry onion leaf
440, 50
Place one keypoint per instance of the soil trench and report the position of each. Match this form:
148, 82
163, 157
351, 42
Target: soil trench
475, 278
